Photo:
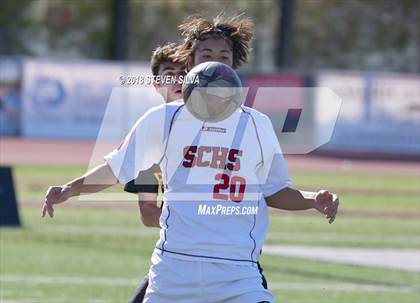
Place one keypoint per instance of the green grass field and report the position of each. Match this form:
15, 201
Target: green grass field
100, 254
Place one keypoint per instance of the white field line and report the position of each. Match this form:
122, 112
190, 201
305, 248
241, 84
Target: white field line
43, 300
105, 230
69, 280
135, 281
272, 235
343, 237
394, 259
35, 300
340, 287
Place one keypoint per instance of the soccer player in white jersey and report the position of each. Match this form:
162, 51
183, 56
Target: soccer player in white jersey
206, 45
204, 256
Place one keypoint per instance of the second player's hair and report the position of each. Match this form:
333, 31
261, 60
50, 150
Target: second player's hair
236, 30
161, 55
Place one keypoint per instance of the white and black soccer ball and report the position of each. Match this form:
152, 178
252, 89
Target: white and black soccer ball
212, 91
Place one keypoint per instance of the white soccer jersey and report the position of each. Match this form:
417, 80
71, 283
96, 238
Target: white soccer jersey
216, 176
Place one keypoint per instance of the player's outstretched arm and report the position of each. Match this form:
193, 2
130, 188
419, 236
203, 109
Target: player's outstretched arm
98, 179
292, 199
148, 209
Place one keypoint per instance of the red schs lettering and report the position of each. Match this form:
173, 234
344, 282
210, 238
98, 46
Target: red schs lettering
234, 158
219, 157
200, 154
189, 156
212, 156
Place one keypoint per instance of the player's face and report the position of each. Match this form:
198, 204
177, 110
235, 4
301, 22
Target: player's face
171, 91
212, 49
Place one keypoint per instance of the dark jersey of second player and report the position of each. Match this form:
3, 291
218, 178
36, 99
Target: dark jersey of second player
148, 181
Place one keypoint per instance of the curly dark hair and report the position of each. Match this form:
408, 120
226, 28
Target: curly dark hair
236, 30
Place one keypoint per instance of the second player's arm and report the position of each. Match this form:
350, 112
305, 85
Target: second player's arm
148, 210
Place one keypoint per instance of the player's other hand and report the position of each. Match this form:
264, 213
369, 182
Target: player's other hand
55, 195
327, 203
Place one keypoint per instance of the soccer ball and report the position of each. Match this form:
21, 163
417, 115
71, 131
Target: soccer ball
212, 91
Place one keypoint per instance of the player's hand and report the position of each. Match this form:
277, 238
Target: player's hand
327, 204
55, 195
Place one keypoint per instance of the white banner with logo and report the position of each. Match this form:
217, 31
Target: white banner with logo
380, 112
69, 100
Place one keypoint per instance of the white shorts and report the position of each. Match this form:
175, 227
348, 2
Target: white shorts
174, 280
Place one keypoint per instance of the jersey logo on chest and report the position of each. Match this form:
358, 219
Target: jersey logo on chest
213, 129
